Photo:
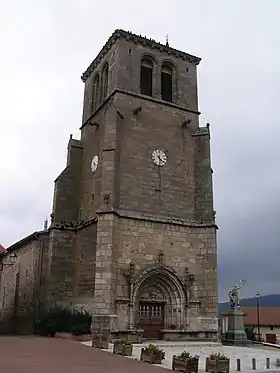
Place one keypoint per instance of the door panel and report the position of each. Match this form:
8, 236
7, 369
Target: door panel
151, 319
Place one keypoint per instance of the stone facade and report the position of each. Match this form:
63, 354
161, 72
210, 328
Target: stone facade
22, 285
131, 236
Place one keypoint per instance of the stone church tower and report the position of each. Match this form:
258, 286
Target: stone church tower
133, 233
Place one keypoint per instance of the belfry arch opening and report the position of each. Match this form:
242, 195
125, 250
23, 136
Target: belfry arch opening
146, 76
104, 81
167, 76
95, 93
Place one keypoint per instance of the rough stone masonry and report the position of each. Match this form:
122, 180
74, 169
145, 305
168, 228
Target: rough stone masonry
133, 234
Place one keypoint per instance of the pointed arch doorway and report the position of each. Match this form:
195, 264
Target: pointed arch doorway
159, 300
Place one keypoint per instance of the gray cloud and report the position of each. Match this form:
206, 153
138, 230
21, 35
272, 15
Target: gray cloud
47, 47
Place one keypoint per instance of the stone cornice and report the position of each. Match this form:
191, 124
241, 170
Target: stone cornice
137, 39
137, 95
202, 131
158, 218
72, 226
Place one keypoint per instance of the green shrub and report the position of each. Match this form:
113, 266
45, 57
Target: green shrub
65, 320
186, 355
154, 350
218, 356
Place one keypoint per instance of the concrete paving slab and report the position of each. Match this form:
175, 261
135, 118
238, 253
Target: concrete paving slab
203, 349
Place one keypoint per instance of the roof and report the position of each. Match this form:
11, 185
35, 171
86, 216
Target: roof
25, 241
268, 316
137, 39
2, 249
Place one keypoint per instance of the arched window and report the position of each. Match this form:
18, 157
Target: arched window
146, 77
166, 82
104, 81
95, 93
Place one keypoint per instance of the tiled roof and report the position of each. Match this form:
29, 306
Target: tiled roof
2, 249
268, 316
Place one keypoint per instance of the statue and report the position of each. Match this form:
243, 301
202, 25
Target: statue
234, 294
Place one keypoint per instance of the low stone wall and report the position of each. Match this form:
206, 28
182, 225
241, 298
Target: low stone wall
178, 335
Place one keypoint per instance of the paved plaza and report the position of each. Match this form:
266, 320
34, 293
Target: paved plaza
45, 355
245, 354
51, 355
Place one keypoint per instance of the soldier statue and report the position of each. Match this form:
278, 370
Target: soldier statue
234, 294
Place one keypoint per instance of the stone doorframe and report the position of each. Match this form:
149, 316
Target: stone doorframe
169, 285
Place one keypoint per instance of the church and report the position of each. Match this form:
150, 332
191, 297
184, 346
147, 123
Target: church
132, 236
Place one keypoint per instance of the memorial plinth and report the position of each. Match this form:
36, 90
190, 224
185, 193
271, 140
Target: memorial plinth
235, 334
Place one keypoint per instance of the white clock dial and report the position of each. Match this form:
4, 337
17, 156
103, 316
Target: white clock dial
159, 157
94, 163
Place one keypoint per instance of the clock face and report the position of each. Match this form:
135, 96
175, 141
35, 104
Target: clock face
94, 163
159, 157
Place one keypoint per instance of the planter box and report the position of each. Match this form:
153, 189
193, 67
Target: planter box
217, 365
152, 359
100, 339
121, 348
100, 343
63, 335
81, 337
187, 365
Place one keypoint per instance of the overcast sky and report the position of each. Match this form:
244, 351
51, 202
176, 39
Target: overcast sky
46, 45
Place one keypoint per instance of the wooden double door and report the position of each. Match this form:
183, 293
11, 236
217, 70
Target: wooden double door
151, 318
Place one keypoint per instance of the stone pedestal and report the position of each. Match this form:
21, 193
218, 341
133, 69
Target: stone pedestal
235, 334
104, 325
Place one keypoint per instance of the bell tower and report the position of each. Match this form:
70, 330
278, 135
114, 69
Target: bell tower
144, 194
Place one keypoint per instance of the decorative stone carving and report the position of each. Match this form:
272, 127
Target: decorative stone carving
130, 277
214, 216
189, 284
152, 293
106, 198
160, 256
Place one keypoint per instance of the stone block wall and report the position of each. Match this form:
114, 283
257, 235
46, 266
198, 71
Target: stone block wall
85, 266
61, 266
141, 185
67, 186
20, 286
185, 72
112, 57
122, 240
183, 247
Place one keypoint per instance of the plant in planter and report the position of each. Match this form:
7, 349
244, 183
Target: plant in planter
152, 354
99, 340
217, 362
185, 362
122, 347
